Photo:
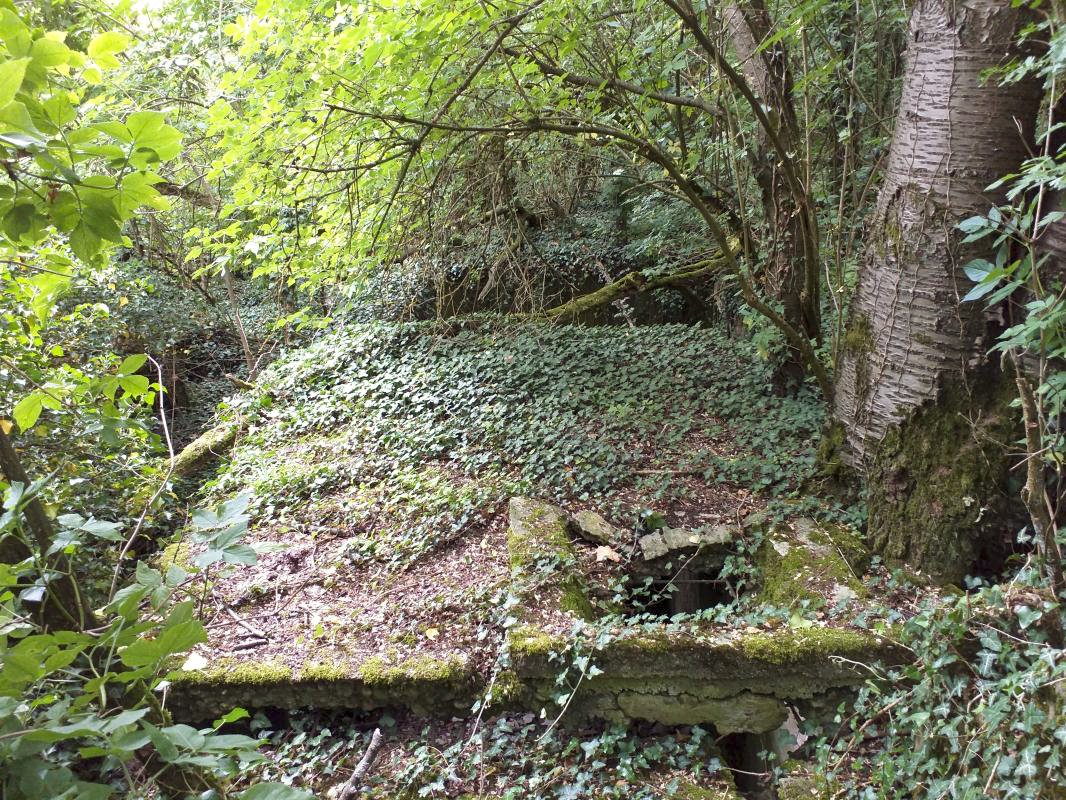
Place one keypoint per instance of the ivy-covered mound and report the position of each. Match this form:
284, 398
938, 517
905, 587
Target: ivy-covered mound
381, 443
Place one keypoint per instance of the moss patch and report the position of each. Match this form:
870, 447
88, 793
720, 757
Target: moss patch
575, 599
812, 565
326, 672
207, 446
229, 672
537, 531
176, 554
531, 642
507, 689
938, 491
538, 539
692, 791
377, 672
811, 645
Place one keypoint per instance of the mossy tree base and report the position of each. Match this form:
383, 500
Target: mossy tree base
939, 498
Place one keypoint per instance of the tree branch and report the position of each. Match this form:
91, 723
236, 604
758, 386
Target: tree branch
630, 284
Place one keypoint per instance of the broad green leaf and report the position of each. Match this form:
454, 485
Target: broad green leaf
146, 576
184, 736
15, 118
84, 242
174, 639
103, 47
240, 554
131, 364
978, 269
12, 74
27, 411
979, 291
50, 53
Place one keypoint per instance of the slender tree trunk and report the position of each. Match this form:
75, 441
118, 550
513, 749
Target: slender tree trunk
63, 607
792, 271
919, 404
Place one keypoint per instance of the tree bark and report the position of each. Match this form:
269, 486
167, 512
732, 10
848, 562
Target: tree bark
792, 270
64, 607
915, 394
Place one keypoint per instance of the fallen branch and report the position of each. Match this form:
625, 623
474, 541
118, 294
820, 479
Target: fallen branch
240, 383
355, 783
206, 447
634, 283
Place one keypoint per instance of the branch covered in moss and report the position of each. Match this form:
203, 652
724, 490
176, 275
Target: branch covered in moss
634, 283
207, 446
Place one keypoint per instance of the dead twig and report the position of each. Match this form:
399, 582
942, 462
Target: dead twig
252, 630
355, 783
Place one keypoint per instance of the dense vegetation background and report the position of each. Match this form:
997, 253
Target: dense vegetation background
361, 273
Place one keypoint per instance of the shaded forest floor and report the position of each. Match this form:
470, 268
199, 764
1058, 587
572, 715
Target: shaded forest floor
380, 461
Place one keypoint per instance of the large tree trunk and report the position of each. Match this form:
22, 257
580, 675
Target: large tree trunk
920, 406
792, 271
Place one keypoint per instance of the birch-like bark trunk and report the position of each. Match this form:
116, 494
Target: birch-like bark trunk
912, 347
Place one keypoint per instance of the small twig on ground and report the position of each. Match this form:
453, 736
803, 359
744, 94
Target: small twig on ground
252, 630
249, 645
355, 783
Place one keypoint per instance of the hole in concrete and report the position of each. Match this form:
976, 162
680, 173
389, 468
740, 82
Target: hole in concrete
687, 596
686, 591
744, 753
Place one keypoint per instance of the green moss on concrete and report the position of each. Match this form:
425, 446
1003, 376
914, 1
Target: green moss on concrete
692, 791
850, 545
229, 672
538, 536
831, 556
532, 642
938, 481
798, 783
645, 643
424, 669
575, 599
541, 533
807, 646
507, 690
326, 672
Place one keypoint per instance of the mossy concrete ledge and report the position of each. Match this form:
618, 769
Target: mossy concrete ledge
538, 539
737, 683
426, 685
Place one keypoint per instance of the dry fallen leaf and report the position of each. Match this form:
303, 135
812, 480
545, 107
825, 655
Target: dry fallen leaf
605, 553
6, 426
194, 662
432, 633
